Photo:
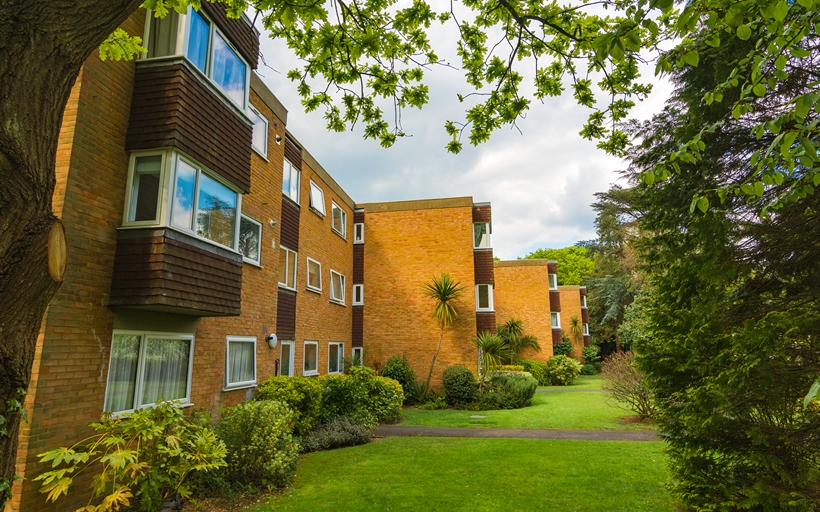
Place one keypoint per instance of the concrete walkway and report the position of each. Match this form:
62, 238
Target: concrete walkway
570, 391
516, 433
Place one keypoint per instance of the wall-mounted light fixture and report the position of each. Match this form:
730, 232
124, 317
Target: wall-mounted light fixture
278, 139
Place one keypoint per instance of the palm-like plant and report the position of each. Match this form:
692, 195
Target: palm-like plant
512, 333
493, 350
445, 292
575, 328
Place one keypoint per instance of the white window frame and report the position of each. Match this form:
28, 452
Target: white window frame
555, 319
360, 351
360, 289
139, 385
343, 232
489, 239
162, 200
307, 275
358, 233
317, 188
310, 373
291, 167
292, 345
263, 152
586, 329
295, 260
337, 300
553, 281
245, 259
583, 301
242, 384
341, 358
489, 296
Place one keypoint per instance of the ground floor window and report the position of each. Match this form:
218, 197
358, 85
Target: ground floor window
335, 357
358, 356
240, 365
286, 359
147, 367
311, 366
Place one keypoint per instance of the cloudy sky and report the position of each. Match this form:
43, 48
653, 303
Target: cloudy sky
540, 182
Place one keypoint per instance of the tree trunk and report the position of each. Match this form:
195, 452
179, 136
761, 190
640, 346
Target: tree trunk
432, 365
43, 44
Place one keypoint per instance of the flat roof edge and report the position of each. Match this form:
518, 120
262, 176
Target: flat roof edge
416, 204
269, 98
523, 263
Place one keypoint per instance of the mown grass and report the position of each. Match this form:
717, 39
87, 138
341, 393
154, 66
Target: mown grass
584, 382
481, 475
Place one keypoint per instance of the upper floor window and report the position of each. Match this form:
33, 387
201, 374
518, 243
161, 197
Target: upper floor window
337, 287
287, 268
145, 188
290, 181
481, 235
317, 198
555, 320
250, 239
260, 132
553, 281
586, 329
583, 301
314, 275
339, 220
199, 36
484, 297
228, 71
358, 295
358, 233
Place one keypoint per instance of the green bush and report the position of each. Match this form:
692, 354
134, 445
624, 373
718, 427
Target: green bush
538, 369
459, 385
510, 373
398, 369
589, 369
302, 394
338, 432
563, 348
510, 368
262, 451
362, 395
591, 354
507, 392
562, 370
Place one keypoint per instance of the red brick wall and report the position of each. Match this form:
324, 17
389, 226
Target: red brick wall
570, 307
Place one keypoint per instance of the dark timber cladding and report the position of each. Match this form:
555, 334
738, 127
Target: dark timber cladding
289, 234
557, 338
162, 269
483, 263
293, 153
484, 322
239, 32
482, 213
358, 278
286, 315
585, 315
173, 107
358, 326
555, 300
552, 267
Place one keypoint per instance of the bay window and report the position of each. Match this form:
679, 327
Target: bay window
228, 71
145, 189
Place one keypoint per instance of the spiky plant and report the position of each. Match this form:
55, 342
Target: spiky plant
493, 350
445, 293
512, 333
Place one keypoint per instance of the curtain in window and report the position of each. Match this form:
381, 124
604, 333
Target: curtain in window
480, 235
122, 376
165, 375
241, 361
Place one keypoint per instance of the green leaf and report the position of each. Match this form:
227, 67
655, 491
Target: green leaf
781, 10
759, 188
744, 32
703, 204
691, 57
813, 390
759, 90
649, 177
694, 204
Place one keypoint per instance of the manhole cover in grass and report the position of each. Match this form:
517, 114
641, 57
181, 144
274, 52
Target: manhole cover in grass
477, 417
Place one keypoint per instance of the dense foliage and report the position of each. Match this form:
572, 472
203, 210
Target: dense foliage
538, 369
399, 369
337, 432
574, 263
262, 451
362, 395
145, 455
507, 392
562, 349
562, 370
459, 386
592, 360
302, 394
516, 340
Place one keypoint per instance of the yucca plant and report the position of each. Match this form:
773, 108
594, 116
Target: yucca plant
493, 350
575, 328
512, 333
445, 292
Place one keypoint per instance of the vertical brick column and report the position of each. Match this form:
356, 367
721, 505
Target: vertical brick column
483, 263
358, 278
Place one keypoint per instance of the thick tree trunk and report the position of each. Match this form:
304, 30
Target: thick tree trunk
43, 44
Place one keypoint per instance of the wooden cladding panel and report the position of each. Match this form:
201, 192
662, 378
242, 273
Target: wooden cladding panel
583, 291
484, 322
587, 341
239, 32
286, 315
293, 153
557, 337
160, 269
482, 214
585, 315
358, 326
552, 267
358, 217
358, 264
555, 300
289, 234
484, 270
172, 107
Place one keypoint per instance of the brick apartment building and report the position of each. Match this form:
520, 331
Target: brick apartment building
208, 250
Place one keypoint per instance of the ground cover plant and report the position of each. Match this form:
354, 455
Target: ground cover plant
446, 476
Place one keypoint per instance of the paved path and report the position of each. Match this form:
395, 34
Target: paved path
570, 391
516, 433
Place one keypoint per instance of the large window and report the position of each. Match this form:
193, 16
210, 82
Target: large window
228, 71
314, 275
260, 132
337, 287
335, 357
240, 368
147, 367
146, 184
290, 181
250, 239
198, 37
484, 297
311, 366
286, 359
553, 281
481, 235
339, 220
555, 320
287, 268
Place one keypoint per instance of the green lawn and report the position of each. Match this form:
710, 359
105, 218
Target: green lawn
584, 382
548, 410
480, 474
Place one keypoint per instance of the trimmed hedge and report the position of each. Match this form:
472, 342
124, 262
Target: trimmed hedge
507, 392
302, 394
511, 368
538, 369
459, 385
562, 370
338, 432
398, 369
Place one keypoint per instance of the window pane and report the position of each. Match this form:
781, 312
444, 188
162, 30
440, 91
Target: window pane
260, 132
162, 39
294, 183
483, 296
216, 211
553, 280
357, 293
241, 361
358, 232
122, 375
228, 71
339, 219
198, 40
165, 376
287, 356
249, 234
310, 358
554, 320
333, 358
357, 357
481, 235
283, 266
145, 192
317, 198
337, 286
182, 214
286, 178
314, 275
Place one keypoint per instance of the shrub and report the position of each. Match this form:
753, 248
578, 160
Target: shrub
398, 369
591, 354
507, 392
337, 432
589, 369
562, 370
261, 449
164, 445
627, 384
563, 348
510, 368
459, 385
538, 369
514, 373
434, 402
302, 394
362, 395
386, 397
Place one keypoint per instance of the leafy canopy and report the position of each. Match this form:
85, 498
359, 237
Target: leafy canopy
574, 263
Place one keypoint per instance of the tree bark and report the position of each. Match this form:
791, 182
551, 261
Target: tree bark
43, 45
433, 364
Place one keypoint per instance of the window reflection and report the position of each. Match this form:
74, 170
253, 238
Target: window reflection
198, 40
228, 70
183, 210
216, 211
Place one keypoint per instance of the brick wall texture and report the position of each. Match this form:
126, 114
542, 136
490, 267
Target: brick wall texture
523, 292
571, 307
